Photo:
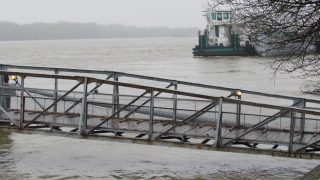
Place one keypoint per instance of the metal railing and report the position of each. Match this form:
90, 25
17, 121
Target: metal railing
208, 120
170, 83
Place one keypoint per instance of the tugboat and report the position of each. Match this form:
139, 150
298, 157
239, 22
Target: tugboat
220, 38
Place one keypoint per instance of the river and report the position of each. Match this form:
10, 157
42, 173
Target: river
46, 157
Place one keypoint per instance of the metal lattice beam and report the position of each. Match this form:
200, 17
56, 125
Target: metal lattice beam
308, 145
195, 115
258, 125
113, 115
54, 103
11, 119
137, 108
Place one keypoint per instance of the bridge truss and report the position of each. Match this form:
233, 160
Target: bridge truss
93, 108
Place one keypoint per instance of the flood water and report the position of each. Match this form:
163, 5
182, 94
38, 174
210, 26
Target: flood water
46, 157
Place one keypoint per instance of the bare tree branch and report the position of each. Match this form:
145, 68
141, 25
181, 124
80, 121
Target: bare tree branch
293, 25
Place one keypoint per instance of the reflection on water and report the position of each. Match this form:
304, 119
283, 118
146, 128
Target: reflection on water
5, 162
5, 141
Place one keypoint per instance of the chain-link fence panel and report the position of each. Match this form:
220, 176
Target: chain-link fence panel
194, 105
54, 115
209, 117
311, 123
15, 102
308, 128
254, 123
229, 119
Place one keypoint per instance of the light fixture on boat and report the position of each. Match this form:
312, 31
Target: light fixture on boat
13, 77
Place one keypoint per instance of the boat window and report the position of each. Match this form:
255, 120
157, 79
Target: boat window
213, 15
225, 16
219, 16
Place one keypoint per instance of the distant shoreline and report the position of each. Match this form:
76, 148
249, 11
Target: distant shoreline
93, 39
10, 31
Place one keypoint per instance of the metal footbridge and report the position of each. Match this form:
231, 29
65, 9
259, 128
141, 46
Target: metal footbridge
123, 107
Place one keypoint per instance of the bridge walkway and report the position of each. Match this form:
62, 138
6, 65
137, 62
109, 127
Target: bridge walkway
159, 116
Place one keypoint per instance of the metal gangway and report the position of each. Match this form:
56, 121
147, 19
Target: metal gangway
64, 102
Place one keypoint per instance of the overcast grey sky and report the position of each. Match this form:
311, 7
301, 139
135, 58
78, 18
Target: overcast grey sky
170, 13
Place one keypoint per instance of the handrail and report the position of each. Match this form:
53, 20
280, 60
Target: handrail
118, 74
228, 125
80, 78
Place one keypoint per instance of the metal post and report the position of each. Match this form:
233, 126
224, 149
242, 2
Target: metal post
217, 138
2, 99
303, 117
301, 103
238, 113
175, 104
84, 109
2, 91
151, 114
115, 97
55, 97
292, 126
22, 102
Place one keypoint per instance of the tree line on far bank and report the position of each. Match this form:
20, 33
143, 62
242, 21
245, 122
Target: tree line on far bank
10, 31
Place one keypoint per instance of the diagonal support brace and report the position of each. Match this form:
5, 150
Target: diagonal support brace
11, 119
262, 123
113, 115
310, 144
137, 108
80, 100
35, 100
92, 90
54, 103
197, 114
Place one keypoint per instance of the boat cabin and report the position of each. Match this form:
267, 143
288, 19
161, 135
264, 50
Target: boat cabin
219, 27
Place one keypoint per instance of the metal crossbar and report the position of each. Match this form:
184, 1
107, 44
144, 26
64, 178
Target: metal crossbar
25, 90
260, 124
92, 90
195, 115
76, 103
113, 115
81, 82
308, 145
147, 101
